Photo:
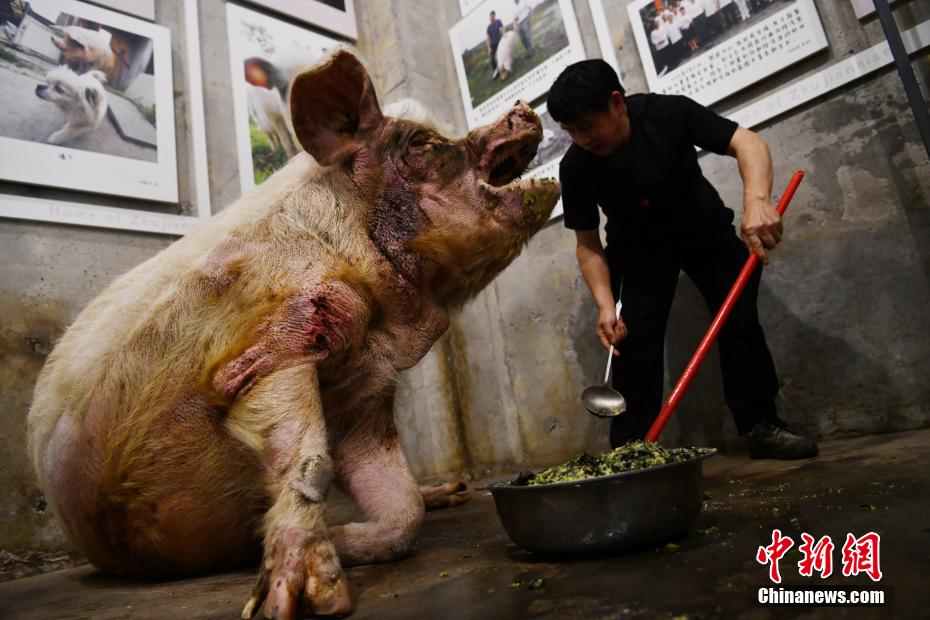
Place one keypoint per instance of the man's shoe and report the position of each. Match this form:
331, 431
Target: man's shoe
776, 440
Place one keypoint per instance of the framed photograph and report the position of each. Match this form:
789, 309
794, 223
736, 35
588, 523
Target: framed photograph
609, 18
337, 16
265, 55
140, 8
865, 8
710, 49
88, 100
178, 218
506, 51
553, 146
466, 6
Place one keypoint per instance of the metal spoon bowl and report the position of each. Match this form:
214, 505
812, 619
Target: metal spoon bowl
601, 400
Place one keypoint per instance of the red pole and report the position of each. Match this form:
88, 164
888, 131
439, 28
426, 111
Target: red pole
669, 408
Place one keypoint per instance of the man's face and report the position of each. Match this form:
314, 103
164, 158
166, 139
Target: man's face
492, 18
602, 133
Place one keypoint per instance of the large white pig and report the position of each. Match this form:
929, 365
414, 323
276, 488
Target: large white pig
196, 414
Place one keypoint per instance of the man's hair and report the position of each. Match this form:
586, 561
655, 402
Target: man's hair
582, 88
493, 13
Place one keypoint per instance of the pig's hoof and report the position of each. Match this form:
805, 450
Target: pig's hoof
446, 495
300, 575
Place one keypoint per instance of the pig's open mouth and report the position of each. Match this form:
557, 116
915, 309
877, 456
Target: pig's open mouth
509, 160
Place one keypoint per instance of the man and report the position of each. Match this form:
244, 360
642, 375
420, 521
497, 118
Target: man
634, 156
659, 38
521, 22
674, 40
494, 33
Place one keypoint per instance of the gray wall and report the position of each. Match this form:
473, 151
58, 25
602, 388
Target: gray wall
844, 301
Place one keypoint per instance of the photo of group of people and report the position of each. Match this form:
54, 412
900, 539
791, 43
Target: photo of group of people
679, 30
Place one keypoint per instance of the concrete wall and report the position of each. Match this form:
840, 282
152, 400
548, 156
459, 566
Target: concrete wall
844, 302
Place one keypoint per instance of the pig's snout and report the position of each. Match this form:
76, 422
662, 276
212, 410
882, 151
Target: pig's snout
511, 144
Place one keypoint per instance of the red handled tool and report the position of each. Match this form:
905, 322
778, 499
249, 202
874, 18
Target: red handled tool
669, 408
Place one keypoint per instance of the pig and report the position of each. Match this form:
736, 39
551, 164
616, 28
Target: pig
506, 54
196, 414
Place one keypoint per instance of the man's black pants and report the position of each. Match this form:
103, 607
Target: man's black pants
750, 382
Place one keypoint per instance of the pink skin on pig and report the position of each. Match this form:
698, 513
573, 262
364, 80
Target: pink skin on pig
267, 371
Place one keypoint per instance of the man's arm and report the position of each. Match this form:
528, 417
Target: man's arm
593, 263
761, 227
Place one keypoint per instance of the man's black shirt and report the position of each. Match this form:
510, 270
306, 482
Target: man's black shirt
659, 198
495, 31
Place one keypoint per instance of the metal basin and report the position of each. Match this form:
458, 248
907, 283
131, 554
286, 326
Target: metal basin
608, 513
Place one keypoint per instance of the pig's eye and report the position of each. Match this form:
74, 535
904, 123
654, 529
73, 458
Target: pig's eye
419, 141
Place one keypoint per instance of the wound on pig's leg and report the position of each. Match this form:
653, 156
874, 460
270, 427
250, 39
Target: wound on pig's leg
316, 476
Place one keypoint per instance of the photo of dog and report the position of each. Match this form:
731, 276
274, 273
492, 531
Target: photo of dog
81, 97
88, 100
100, 79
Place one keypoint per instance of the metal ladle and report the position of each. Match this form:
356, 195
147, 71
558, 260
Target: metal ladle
600, 400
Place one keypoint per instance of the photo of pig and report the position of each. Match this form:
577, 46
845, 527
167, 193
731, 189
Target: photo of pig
533, 32
506, 50
196, 414
266, 55
81, 97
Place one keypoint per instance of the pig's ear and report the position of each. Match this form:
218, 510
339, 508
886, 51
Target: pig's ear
334, 108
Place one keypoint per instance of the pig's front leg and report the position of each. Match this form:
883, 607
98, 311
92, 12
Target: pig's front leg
371, 467
282, 417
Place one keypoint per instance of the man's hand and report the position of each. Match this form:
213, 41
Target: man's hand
610, 330
761, 228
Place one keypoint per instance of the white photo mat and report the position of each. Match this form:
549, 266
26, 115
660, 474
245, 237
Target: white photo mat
826, 80
60, 166
466, 6
864, 8
317, 13
553, 146
81, 214
605, 38
239, 49
469, 34
784, 37
141, 8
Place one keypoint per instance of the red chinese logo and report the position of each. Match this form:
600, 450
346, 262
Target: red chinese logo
773, 553
817, 557
860, 555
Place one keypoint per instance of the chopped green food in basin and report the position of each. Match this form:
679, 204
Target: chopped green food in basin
630, 456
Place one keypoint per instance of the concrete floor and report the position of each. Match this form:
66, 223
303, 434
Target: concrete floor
465, 567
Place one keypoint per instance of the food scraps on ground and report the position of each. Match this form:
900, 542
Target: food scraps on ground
630, 456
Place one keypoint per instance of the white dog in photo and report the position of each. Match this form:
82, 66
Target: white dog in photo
81, 97
506, 54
